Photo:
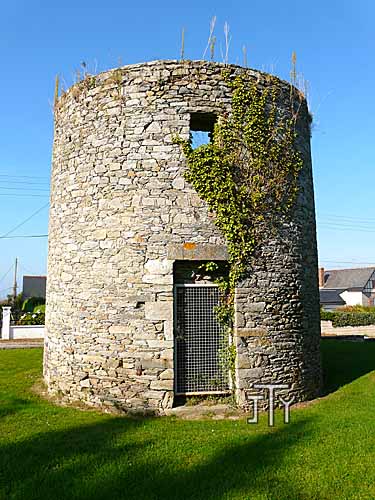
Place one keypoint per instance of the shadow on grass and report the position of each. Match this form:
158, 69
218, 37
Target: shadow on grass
152, 459
139, 459
345, 361
11, 406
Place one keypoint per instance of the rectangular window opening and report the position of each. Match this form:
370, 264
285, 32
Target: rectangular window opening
201, 128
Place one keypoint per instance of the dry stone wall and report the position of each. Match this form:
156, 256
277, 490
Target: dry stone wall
122, 214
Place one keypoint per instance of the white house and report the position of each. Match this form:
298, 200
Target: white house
340, 287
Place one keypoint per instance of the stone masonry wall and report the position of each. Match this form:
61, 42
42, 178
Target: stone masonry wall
122, 214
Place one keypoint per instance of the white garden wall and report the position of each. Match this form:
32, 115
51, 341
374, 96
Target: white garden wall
12, 332
26, 332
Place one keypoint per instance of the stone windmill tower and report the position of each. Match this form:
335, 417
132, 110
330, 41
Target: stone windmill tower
130, 318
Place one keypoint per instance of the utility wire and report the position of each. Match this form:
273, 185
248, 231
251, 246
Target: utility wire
26, 269
24, 176
347, 262
346, 223
26, 195
6, 274
349, 217
24, 222
345, 228
24, 188
24, 236
22, 184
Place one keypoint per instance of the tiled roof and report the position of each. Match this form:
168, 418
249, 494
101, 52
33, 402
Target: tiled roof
331, 297
348, 278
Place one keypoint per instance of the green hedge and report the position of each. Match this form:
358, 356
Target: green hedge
342, 318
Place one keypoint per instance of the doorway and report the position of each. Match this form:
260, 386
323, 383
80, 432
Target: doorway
200, 341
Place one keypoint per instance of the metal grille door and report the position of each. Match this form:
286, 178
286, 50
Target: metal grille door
199, 341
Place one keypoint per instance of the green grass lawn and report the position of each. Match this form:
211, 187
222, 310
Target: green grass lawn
326, 452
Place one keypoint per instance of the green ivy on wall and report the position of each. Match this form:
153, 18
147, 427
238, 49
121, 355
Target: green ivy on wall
248, 173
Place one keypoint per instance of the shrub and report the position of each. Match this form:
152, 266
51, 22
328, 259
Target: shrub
32, 319
357, 309
40, 309
326, 315
30, 303
349, 318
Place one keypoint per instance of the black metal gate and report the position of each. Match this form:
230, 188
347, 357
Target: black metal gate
200, 342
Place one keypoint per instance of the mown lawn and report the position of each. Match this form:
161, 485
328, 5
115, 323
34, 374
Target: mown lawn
326, 452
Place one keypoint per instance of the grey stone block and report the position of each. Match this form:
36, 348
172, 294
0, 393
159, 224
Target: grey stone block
197, 251
159, 311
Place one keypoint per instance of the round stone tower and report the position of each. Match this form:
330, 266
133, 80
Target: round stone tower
130, 318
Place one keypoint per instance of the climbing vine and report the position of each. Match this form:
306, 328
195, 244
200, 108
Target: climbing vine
247, 174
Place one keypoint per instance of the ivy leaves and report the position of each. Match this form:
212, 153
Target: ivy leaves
248, 174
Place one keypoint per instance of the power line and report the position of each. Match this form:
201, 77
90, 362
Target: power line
22, 266
26, 195
326, 225
349, 217
24, 188
25, 176
347, 262
28, 182
24, 222
346, 223
6, 274
24, 236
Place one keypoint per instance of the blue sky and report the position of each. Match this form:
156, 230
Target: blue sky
334, 42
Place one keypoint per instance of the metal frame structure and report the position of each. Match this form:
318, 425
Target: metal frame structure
205, 348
